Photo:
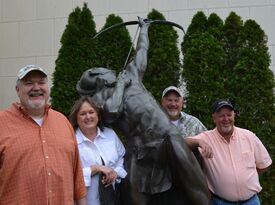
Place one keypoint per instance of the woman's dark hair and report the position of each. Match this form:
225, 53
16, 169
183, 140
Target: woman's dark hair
76, 107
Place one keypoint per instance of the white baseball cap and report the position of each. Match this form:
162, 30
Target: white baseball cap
25, 70
171, 88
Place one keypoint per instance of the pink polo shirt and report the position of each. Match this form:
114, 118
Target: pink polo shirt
231, 173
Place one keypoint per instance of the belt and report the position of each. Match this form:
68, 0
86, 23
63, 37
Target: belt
232, 202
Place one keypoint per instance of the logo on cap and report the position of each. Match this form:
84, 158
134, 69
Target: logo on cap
222, 103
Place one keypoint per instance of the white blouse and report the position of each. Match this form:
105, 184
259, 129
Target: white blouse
106, 145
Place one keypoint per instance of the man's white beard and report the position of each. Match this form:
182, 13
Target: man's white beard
227, 130
39, 105
173, 113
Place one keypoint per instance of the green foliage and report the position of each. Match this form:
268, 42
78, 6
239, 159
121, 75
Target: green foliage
203, 73
231, 60
76, 54
204, 65
253, 85
232, 27
215, 25
163, 57
195, 29
255, 100
114, 45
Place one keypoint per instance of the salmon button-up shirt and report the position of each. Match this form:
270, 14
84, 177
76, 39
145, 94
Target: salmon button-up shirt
232, 172
39, 165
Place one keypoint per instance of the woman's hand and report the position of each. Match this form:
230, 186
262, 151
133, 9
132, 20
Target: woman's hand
109, 175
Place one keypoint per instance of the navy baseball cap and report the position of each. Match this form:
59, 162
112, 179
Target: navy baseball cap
222, 103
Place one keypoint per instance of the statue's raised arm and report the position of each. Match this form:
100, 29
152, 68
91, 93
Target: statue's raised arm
138, 65
134, 73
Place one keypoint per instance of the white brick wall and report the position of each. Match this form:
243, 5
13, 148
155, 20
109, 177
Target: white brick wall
30, 30
9, 39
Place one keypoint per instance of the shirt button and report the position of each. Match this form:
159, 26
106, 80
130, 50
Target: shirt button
49, 173
50, 191
47, 157
44, 141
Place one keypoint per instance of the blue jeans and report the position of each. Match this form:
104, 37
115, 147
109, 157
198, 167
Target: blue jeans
252, 201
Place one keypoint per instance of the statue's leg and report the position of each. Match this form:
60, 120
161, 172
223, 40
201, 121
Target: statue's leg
173, 196
188, 175
129, 189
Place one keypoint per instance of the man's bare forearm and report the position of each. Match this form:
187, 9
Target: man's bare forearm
205, 149
191, 142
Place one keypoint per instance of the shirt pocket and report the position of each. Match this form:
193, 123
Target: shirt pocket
249, 159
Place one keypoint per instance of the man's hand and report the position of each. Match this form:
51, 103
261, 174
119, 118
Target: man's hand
206, 150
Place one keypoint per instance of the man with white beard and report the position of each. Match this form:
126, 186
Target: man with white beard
39, 160
172, 103
238, 158
188, 125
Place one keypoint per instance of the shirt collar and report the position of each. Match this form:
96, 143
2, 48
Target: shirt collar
182, 116
19, 107
233, 136
81, 137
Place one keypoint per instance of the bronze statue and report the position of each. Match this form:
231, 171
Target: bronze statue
161, 169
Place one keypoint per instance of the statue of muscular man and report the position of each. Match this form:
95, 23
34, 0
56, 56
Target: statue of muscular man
161, 168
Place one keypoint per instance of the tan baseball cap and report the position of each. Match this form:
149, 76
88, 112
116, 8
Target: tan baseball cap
171, 88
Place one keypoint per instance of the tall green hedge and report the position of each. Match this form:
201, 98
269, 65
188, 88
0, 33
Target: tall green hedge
163, 57
253, 85
203, 65
195, 29
77, 53
231, 29
203, 73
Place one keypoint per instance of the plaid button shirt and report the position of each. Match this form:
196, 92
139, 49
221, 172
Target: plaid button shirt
190, 125
38, 164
